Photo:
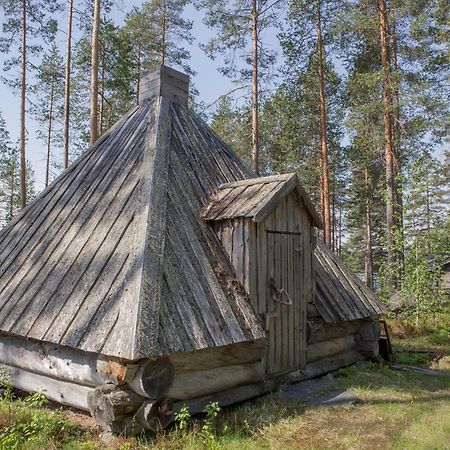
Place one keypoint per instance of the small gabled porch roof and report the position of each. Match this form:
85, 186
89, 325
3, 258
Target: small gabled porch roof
256, 198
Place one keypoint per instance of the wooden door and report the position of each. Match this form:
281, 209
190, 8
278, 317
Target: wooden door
286, 308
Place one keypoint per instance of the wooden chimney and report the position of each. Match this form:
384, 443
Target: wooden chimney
165, 82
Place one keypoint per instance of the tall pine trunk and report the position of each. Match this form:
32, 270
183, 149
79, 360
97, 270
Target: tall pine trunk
23, 159
255, 93
325, 180
397, 144
368, 254
49, 134
102, 91
138, 74
163, 33
67, 83
12, 190
388, 142
94, 72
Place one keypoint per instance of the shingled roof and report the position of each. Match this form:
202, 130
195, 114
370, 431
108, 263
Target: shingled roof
340, 294
113, 257
256, 198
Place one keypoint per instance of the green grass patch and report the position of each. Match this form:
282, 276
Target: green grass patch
27, 423
396, 410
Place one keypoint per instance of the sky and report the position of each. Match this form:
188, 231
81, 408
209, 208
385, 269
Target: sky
209, 82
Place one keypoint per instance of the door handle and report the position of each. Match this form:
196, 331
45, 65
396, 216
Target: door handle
277, 295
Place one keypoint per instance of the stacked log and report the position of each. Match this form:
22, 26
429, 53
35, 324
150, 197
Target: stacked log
367, 338
330, 345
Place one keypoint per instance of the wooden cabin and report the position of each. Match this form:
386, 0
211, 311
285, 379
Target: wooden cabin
157, 270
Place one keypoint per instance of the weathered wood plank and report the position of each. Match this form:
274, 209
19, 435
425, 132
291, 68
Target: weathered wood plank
211, 358
267, 208
330, 347
252, 181
66, 393
319, 330
203, 382
63, 362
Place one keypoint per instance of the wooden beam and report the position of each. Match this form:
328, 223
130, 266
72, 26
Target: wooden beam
329, 347
228, 355
153, 378
65, 363
64, 392
204, 382
224, 398
319, 331
112, 405
267, 208
259, 180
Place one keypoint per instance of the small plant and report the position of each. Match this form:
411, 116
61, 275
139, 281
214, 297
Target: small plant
183, 419
211, 411
6, 393
36, 399
27, 425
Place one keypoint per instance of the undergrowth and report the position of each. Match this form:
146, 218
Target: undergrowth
395, 410
27, 423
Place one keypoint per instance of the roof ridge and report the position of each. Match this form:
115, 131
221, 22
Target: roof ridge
145, 339
258, 180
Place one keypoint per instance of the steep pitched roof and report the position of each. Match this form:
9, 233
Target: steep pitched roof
340, 294
256, 198
113, 258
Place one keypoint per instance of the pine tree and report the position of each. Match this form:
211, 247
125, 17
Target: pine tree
48, 109
10, 194
94, 71
233, 124
32, 21
158, 33
305, 40
239, 26
67, 81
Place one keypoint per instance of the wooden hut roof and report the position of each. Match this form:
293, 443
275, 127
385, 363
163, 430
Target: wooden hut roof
340, 294
113, 257
256, 198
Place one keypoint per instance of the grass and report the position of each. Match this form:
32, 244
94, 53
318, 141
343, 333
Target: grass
395, 410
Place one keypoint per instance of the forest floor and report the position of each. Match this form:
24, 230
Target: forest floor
395, 409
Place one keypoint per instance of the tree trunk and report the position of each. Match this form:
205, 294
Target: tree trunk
23, 159
389, 151
138, 75
67, 83
397, 145
333, 216
368, 255
94, 72
102, 92
325, 180
255, 94
12, 190
49, 133
163, 33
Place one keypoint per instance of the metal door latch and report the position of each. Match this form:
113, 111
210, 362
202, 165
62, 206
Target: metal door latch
277, 295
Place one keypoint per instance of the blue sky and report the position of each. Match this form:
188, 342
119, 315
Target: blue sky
210, 83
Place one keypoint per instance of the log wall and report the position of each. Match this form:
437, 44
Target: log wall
334, 345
